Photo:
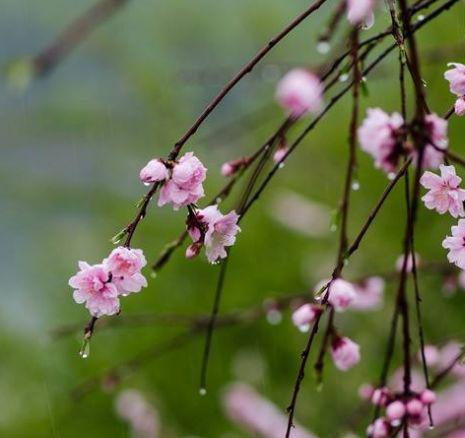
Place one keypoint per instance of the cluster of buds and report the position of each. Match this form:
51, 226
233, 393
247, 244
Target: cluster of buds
399, 409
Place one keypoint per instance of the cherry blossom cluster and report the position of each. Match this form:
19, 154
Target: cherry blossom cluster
181, 181
181, 184
398, 410
342, 295
381, 135
446, 196
101, 286
456, 78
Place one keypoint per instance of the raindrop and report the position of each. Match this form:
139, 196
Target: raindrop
355, 186
333, 228
153, 274
421, 17
218, 200
304, 328
85, 349
146, 184
274, 316
203, 391
431, 427
280, 165
391, 176
343, 77
323, 47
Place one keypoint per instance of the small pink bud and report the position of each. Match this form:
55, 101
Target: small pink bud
431, 355
379, 429
153, 171
299, 92
395, 411
228, 169
305, 315
365, 391
459, 106
193, 250
345, 353
415, 407
381, 396
428, 397
280, 154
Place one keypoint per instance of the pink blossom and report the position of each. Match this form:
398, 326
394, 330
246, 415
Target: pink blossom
379, 429
378, 136
228, 169
345, 353
341, 294
395, 411
231, 167
415, 407
444, 193
92, 285
305, 315
368, 294
360, 11
456, 78
299, 92
459, 106
431, 355
381, 396
456, 244
409, 265
220, 231
428, 397
185, 185
153, 171
280, 154
436, 128
125, 265
365, 391
132, 406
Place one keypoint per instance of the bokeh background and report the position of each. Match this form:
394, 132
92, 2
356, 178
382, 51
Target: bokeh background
72, 144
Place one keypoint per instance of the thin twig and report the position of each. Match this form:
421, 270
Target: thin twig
74, 34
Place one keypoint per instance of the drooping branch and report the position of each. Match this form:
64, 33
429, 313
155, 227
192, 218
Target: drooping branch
74, 34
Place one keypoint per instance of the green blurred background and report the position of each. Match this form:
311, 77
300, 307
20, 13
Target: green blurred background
72, 145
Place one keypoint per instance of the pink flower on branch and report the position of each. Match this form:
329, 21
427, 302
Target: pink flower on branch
345, 353
444, 193
184, 187
369, 294
154, 171
215, 230
456, 78
360, 12
125, 266
305, 315
459, 106
92, 285
300, 92
456, 244
379, 136
341, 294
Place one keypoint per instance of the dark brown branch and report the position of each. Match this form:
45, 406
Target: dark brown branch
73, 35
244, 71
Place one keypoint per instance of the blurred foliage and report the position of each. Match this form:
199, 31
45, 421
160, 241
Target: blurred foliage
72, 145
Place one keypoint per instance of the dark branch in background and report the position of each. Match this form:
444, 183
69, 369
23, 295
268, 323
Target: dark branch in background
73, 35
